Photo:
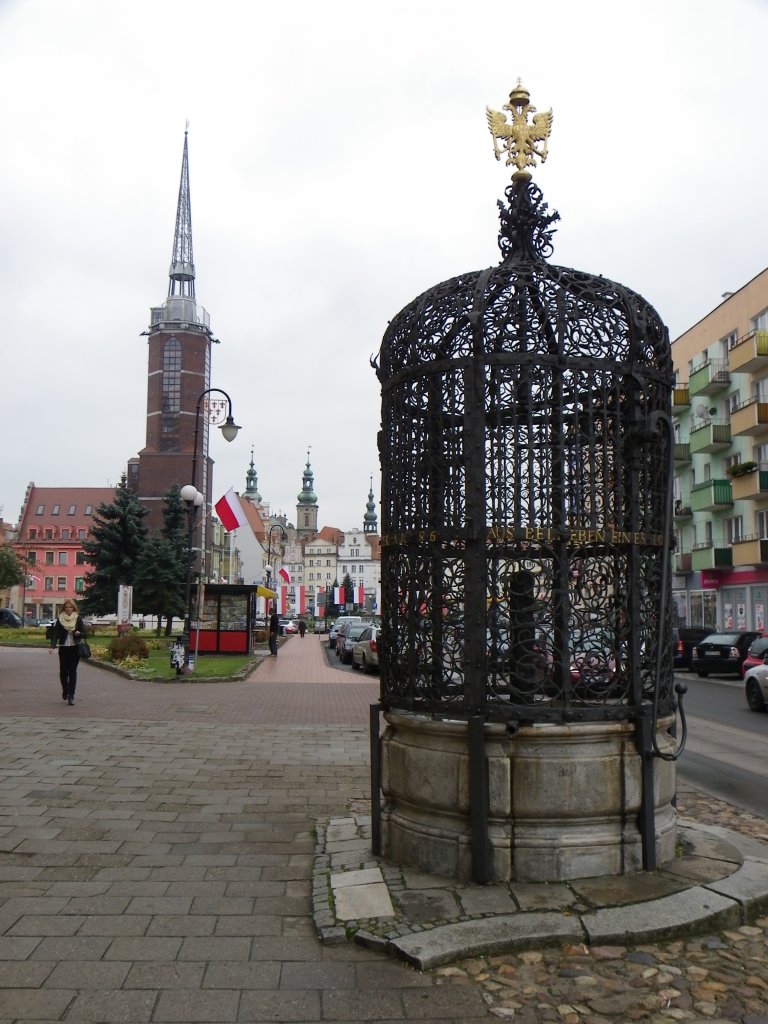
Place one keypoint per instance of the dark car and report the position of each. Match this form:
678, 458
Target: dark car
9, 618
755, 655
722, 653
685, 639
345, 640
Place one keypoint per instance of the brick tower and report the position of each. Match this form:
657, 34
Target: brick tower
179, 371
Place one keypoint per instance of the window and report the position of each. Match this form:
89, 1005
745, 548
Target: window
171, 396
55, 510
761, 453
49, 534
32, 557
49, 558
327, 561
48, 583
32, 534
731, 460
361, 568
65, 534
311, 576
72, 510
734, 529
733, 401
79, 558
88, 510
61, 582
81, 534
79, 585
730, 341
760, 322
761, 521
62, 558
40, 509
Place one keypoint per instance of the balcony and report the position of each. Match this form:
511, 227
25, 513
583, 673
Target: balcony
707, 556
680, 397
711, 496
708, 436
750, 551
683, 562
710, 378
682, 509
750, 418
682, 453
750, 354
750, 486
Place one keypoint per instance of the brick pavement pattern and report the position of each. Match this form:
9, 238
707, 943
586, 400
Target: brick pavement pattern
157, 842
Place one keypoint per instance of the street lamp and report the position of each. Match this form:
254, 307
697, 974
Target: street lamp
194, 500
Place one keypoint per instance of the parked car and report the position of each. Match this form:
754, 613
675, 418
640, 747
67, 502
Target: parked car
685, 639
593, 660
755, 655
365, 650
288, 626
756, 686
335, 628
722, 653
346, 637
9, 618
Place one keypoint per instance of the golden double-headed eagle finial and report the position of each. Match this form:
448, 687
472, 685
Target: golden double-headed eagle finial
523, 143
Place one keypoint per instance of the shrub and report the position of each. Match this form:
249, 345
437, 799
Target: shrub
124, 647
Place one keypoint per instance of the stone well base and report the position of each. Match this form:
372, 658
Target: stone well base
563, 799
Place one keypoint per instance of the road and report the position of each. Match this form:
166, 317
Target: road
725, 753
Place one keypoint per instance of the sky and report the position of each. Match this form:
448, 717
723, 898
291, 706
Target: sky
340, 165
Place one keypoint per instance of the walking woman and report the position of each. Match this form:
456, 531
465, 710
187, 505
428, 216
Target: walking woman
68, 631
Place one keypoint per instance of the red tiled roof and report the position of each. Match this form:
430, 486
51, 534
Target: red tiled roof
65, 498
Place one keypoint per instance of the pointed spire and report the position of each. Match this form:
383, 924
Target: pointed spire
182, 272
252, 484
370, 523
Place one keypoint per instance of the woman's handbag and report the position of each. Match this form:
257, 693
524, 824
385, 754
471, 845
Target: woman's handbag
84, 649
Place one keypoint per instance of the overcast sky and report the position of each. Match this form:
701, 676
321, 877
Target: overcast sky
340, 164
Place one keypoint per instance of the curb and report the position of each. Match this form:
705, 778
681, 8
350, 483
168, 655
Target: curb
736, 897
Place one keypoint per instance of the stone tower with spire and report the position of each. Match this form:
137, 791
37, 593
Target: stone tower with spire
306, 509
179, 371
370, 522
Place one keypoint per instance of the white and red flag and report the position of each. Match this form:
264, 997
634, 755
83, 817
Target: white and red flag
230, 511
358, 595
284, 575
301, 601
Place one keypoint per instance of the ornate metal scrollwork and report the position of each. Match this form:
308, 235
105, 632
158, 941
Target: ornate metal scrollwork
524, 503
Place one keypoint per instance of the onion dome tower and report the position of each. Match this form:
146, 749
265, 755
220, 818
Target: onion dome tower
179, 371
370, 522
306, 509
526, 452
252, 484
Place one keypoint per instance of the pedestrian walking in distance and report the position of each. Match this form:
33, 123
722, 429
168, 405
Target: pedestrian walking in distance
302, 628
274, 629
66, 633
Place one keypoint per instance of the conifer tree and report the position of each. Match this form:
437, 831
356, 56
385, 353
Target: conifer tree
162, 566
117, 539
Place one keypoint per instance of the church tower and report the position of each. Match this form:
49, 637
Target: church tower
179, 371
252, 484
370, 523
306, 510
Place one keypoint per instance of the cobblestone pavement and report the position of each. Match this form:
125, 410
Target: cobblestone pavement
718, 977
156, 852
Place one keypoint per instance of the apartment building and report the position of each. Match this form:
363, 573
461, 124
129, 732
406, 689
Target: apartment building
720, 410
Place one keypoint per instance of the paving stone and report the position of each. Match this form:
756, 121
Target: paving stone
199, 1006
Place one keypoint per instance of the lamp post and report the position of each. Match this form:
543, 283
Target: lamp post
194, 500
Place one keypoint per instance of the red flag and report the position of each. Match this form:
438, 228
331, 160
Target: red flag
284, 575
230, 511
